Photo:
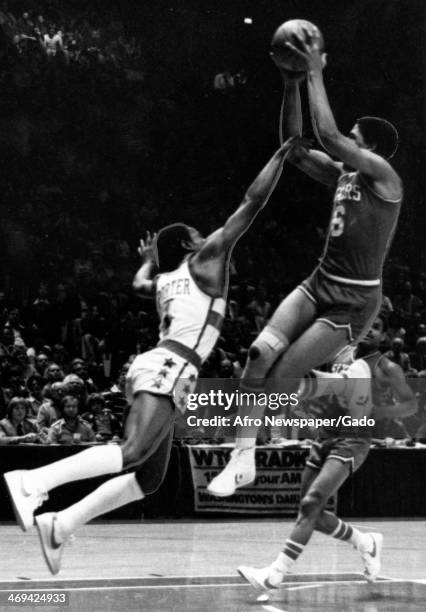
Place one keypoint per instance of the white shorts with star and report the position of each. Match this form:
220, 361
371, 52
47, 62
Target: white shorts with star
162, 372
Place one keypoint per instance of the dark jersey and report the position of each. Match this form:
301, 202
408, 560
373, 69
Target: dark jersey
381, 395
360, 231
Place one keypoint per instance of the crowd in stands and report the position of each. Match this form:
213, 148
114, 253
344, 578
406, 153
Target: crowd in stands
112, 127
66, 38
63, 360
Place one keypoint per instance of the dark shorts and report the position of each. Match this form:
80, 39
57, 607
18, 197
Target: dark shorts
346, 450
352, 307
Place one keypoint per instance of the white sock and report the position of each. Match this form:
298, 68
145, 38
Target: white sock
319, 384
95, 461
246, 435
361, 540
112, 494
283, 563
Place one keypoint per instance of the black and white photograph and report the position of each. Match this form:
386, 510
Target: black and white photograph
213, 305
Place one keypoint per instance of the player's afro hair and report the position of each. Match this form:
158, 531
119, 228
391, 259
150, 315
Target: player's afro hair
379, 133
168, 248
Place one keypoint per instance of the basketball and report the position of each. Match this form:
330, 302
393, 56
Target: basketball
288, 32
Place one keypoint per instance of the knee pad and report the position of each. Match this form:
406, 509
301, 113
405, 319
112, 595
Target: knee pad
311, 504
263, 353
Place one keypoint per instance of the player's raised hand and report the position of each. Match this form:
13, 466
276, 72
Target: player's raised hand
145, 248
289, 76
309, 48
296, 142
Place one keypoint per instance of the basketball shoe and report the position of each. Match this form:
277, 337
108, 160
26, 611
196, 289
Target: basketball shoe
240, 471
264, 579
24, 503
371, 557
52, 550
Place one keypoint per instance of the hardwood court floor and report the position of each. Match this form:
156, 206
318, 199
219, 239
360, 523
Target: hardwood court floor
190, 566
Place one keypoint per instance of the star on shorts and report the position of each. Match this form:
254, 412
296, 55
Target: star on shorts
192, 378
163, 373
187, 389
169, 363
157, 383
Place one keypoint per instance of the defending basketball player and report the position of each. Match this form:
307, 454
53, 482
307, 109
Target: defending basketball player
191, 291
341, 299
340, 451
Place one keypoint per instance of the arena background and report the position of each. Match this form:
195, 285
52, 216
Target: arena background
166, 111
99, 153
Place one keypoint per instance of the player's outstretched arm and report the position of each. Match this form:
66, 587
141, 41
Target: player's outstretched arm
256, 197
345, 149
406, 402
291, 119
316, 164
143, 280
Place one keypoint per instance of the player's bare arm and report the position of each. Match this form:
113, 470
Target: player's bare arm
316, 164
375, 168
209, 264
390, 374
255, 198
143, 280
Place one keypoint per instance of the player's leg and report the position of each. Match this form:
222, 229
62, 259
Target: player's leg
328, 480
353, 384
144, 481
292, 317
316, 346
55, 528
368, 544
149, 420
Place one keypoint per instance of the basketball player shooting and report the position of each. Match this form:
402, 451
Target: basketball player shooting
339, 451
191, 290
341, 299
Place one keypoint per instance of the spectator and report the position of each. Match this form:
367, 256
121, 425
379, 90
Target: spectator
74, 385
50, 410
14, 383
41, 312
115, 398
406, 303
419, 357
41, 363
18, 329
40, 27
71, 428
35, 397
102, 420
17, 427
397, 354
19, 356
80, 369
53, 373
259, 308
52, 42
59, 355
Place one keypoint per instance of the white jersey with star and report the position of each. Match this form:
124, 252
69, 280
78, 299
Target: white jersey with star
187, 314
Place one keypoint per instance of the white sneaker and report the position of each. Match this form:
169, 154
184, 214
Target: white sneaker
24, 503
52, 551
240, 471
372, 558
263, 579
